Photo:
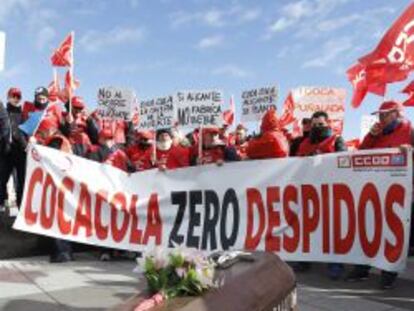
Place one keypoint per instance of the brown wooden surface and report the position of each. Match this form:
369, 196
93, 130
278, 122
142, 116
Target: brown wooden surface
257, 286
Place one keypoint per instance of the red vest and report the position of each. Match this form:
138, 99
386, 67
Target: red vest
400, 136
241, 150
271, 144
118, 159
173, 158
212, 155
306, 148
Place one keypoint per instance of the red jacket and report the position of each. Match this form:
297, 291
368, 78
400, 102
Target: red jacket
118, 159
306, 148
139, 157
241, 150
54, 112
175, 157
272, 143
400, 136
212, 155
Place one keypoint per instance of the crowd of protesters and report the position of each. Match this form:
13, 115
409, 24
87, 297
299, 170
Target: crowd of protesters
70, 128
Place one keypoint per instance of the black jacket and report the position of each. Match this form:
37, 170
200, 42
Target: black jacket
12, 138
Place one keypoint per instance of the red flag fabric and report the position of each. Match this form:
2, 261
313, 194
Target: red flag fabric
410, 101
396, 45
380, 74
70, 82
54, 90
62, 56
288, 107
357, 75
409, 89
228, 115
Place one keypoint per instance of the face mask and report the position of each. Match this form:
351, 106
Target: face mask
320, 132
164, 145
390, 127
40, 105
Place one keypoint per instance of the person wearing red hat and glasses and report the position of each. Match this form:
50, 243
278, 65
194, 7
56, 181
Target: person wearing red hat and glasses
214, 150
141, 144
12, 146
392, 131
109, 152
271, 143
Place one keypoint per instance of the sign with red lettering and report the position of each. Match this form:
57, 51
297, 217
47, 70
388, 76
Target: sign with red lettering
308, 100
359, 213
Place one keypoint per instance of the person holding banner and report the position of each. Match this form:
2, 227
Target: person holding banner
240, 141
109, 152
272, 143
13, 146
168, 156
295, 143
321, 140
392, 131
139, 148
213, 150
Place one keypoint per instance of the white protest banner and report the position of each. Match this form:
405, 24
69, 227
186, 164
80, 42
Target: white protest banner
157, 113
256, 102
308, 100
367, 121
116, 103
199, 108
359, 213
2, 49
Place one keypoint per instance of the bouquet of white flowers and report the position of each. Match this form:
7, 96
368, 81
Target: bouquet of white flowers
179, 272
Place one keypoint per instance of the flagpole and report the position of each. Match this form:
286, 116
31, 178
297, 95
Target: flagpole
71, 69
200, 144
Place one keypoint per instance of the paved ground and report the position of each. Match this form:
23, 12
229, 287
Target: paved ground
33, 284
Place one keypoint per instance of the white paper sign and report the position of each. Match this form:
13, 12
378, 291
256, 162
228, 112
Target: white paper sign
256, 102
116, 103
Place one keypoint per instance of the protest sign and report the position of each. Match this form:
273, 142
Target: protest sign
367, 121
308, 100
2, 49
157, 113
199, 108
359, 213
256, 102
116, 103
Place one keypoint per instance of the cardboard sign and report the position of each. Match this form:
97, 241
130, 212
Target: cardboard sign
157, 113
2, 49
308, 100
256, 102
359, 213
199, 108
116, 103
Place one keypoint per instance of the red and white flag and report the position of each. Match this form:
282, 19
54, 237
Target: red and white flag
288, 112
409, 89
54, 89
70, 82
63, 55
228, 115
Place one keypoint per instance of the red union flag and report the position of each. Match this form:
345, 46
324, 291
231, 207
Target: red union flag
396, 47
63, 56
228, 115
365, 80
409, 89
288, 108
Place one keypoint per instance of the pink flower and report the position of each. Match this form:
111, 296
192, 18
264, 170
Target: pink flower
150, 303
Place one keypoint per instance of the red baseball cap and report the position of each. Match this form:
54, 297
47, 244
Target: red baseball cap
14, 92
106, 133
78, 103
389, 106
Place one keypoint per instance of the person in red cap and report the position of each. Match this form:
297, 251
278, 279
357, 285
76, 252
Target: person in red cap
321, 140
214, 150
109, 152
12, 146
392, 131
168, 155
139, 149
241, 141
271, 143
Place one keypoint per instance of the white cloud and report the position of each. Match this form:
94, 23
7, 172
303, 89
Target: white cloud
231, 71
210, 42
45, 35
93, 41
13, 72
215, 18
336, 23
8, 7
331, 50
